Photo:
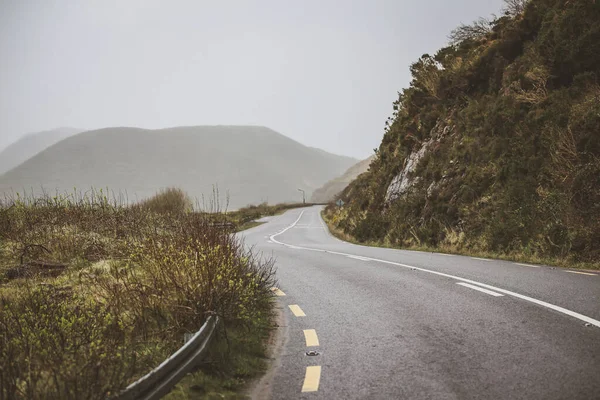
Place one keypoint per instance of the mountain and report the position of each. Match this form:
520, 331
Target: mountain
30, 145
332, 188
251, 164
495, 146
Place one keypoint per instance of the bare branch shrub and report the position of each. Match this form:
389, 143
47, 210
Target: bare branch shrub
515, 7
478, 30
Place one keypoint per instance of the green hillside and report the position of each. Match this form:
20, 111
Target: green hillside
495, 146
250, 164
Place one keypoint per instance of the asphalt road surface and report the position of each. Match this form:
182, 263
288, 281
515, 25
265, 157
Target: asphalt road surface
396, 324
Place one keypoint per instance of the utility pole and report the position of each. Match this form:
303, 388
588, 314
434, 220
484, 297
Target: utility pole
303, 196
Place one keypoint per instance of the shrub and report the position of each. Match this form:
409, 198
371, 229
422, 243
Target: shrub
135, 280
169, 201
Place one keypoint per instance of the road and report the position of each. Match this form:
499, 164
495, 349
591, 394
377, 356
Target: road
397, 324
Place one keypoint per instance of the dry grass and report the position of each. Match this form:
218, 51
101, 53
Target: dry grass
455, 245
93, 293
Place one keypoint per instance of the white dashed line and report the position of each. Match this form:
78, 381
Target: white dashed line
359, 258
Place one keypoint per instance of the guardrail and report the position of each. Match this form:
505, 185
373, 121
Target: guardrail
161, 379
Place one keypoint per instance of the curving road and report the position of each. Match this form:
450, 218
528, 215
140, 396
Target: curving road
395, 324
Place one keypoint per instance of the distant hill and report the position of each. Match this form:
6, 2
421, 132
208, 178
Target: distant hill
30, 145
329, 190
252, 164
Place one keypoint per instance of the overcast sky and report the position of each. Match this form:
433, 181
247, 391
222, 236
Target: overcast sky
322, 72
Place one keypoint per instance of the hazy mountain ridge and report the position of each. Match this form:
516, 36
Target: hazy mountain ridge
332, 188
250, 163
31, 144
495, 146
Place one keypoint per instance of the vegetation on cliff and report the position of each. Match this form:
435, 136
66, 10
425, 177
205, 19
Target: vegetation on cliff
495, 146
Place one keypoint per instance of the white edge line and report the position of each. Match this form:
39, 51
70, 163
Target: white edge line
581, 273
497, 289
482, 259
508, 292
480, 289
527, 265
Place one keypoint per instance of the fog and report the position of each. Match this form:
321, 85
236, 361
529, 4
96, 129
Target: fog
324, 73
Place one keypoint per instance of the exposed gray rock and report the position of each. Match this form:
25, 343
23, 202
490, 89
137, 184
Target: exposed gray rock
403, 181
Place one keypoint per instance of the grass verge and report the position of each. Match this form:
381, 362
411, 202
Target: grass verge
236, 358
94, 294
515, 257
239, 355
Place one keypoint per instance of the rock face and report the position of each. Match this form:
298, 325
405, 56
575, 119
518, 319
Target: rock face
403, 181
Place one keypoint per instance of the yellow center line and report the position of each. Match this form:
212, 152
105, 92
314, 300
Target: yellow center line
311, 337
311, 379
297, 311
581, 273
277, 291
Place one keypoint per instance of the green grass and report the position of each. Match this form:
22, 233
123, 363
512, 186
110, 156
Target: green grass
94, 294
235, 360
514, 256
238, 357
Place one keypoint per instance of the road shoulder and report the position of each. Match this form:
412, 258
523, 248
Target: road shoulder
262, 387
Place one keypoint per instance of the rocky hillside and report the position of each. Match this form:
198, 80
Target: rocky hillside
495, 146
30, 145
250, 164
328, 191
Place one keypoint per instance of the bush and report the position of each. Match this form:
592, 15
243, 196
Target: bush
169, 201
135, 280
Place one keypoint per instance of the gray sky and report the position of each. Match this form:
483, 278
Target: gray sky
322, 72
